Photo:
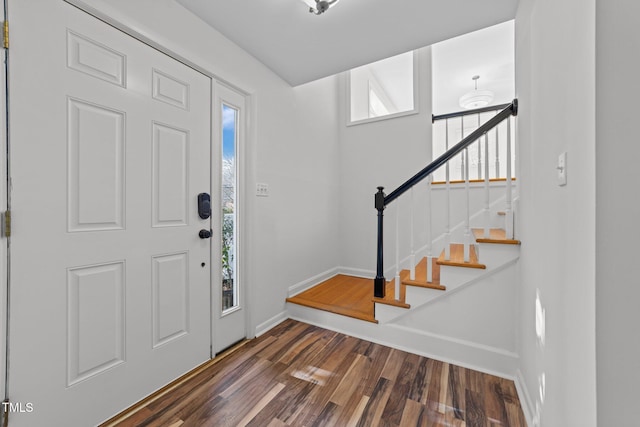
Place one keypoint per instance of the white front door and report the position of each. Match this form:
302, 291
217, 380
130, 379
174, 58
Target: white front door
110, 280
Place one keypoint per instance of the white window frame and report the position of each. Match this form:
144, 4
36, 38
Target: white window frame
416, 98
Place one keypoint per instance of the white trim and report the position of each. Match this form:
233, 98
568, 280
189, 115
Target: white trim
381, 118
227, 95
271, 323
471, 344
4, 241
311, 282
357, 272
525, 399
416, 97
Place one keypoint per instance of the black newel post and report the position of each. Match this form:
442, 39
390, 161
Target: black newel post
379, 282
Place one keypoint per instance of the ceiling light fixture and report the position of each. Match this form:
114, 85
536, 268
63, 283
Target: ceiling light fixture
476, 98
318, 7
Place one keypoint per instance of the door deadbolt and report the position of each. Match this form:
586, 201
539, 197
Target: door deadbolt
204, 205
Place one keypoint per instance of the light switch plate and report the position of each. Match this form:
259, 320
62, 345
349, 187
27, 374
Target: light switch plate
562, 169
262, 190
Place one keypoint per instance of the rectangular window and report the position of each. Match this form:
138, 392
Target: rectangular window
383, 89
229, 202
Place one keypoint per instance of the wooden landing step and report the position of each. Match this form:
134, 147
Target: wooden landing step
496, 235
342, 294
457, 257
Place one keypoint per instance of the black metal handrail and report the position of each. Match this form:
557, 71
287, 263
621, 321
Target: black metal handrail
382, 200
499, 107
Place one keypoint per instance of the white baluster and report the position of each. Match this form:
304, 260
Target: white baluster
498, 152
412, 257
397, 279
447, 228
509, 210
479, 152
462, 157
429, 243
487, 201
467, 228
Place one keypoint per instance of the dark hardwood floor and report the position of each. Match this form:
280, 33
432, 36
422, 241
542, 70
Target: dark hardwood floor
302, 375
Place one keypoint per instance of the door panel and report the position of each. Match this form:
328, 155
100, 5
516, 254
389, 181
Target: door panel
110, 282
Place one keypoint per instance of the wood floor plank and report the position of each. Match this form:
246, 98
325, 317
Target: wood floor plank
475, 414
379, 355
302, 375
271, 394
444, 385
357, 413
457, 389
401, 389
412, 414
372, 414
276, 423
351, 380
393, 364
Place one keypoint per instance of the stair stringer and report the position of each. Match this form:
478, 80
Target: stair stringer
482, 311
494, 256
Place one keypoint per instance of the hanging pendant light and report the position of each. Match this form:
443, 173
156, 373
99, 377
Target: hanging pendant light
318, 7
476, 98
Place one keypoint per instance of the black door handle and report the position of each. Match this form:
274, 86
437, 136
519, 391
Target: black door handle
204, 234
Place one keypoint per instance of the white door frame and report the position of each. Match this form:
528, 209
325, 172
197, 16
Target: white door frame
4, 206
224, 94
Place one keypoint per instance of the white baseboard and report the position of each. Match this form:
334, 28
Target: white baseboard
525, 398
271, 323
311, 282
481, 358
357, 272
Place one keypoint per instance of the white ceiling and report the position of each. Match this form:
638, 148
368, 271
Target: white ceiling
488, 53
301, 47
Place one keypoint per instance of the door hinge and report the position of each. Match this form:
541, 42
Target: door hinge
6, 224
5, 34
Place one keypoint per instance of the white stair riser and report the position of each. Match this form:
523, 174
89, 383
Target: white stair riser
416, 296
494, 255
386, 313
452, 277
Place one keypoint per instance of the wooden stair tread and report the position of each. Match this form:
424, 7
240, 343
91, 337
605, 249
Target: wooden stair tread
496, 235
421, 276
420, 281
389, 294
457, 257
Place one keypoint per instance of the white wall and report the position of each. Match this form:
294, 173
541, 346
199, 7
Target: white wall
555, 81
383, 153
618, 209
292, 147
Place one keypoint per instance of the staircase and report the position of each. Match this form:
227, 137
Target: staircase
487, 254
337, 294
453, 298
